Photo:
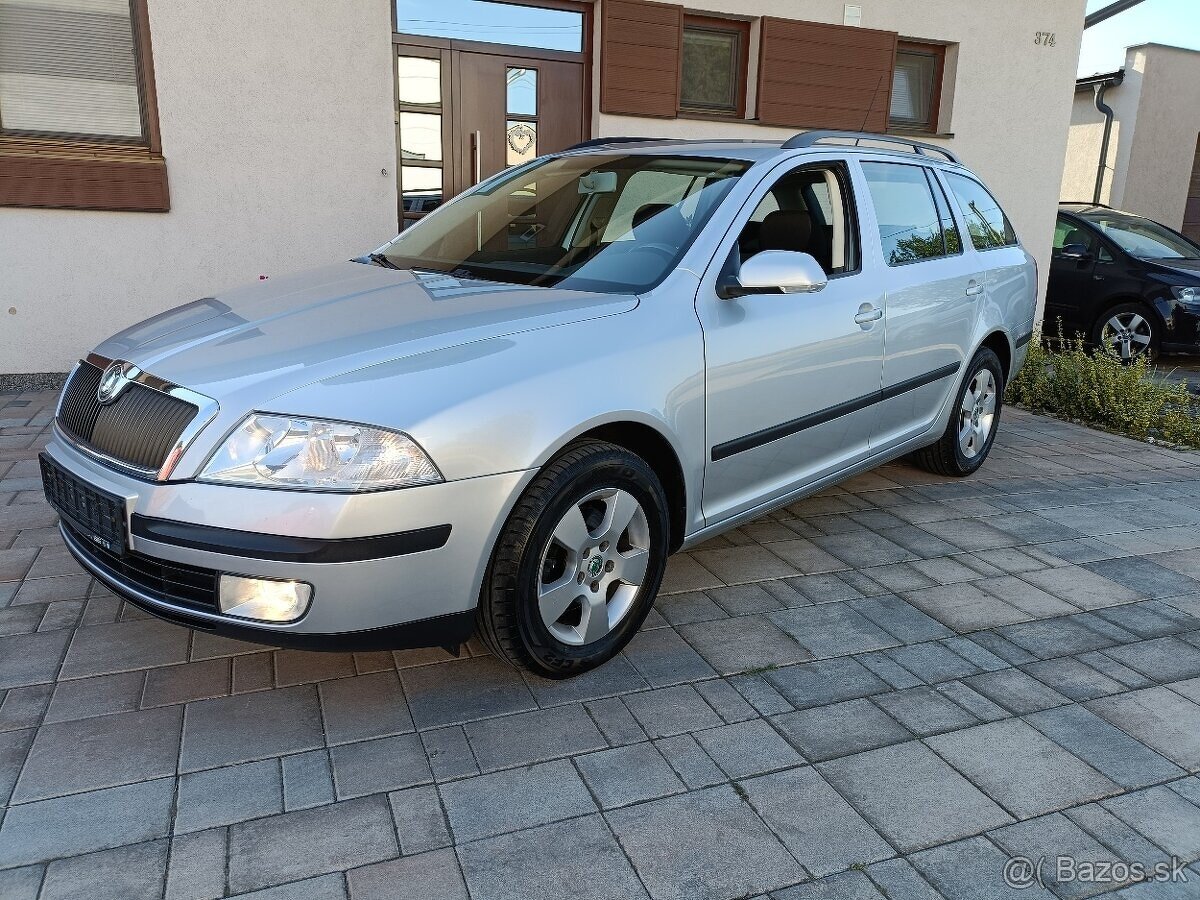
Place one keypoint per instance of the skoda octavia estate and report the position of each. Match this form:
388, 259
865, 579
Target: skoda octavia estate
507, 418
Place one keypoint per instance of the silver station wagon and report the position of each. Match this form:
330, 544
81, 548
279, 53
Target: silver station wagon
507, 418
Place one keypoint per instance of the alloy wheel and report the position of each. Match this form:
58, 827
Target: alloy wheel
593, 566
1126, 335
977, 415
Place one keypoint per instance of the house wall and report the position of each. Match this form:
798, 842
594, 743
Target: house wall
276, 121
1006, 100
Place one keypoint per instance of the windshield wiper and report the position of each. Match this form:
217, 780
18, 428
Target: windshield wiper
381, 259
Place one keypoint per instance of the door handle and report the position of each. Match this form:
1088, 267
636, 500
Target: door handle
476, 140
868, 314
974, 288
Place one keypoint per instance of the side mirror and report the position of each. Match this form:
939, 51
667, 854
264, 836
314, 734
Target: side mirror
1075, 251
775, 271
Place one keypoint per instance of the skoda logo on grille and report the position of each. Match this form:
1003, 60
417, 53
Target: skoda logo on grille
113, 381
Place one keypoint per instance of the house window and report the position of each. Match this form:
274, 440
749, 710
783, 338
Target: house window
76, 75
917, 86
714, 65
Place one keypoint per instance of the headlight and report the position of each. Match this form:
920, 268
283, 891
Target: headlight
280, 451
1189, 296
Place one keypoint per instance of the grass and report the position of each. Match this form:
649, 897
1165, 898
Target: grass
1075, 383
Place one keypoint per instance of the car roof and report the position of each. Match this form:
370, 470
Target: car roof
1085, 209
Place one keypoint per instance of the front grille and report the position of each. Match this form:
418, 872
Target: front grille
101, 514
139, 428
183, 585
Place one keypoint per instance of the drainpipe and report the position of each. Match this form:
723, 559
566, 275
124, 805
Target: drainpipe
1107, 111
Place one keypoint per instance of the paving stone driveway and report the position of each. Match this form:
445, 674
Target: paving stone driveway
884, 691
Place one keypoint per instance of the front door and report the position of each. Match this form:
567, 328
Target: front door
1069, 287
466, 112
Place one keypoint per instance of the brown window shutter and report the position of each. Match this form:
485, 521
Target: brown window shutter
814, 75
640, 45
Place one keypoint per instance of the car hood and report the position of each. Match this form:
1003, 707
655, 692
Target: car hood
280, 333
1187, 267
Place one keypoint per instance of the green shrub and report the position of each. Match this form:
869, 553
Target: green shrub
1101, 390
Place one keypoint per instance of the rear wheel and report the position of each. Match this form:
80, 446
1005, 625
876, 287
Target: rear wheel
968, 438
578, 563
1128, 331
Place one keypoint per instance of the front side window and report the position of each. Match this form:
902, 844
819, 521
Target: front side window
714, 65
70, 69
987, 224
1144, 238
916, 86
911, 228
599, 222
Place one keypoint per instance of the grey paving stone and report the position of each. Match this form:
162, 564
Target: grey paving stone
824, 682
922, 711
1060, 838
50, 590
615, 720
617, 676
579, 859
227, 795
304, 667
1188, 788
1049, 638
1162, 816
488, 805
825, 588
895, 787
31, 658
420, 821
124, 646
1189, 689
105, 751
307, 780
901, 619
748, 748
690, 762
1073, 678
975, 653
1114, 753
1020, 768
429, 876
98, 696
83, 823
464, 689
973, 870
1162, 720
861, 547
745, 643
946, 570
737, 565
679, 609
1026, 597
20, 619
323, 887
197, 866
365, 706
932, 662
383, 764
831, 629
843, 886
1150, 618
820, 829
533, 737
684, 573
125, 873
744, 599
896, 676
1127, 844
805, 557
898, 880
1002, 648
1016, 691
1144, 577
625, 775
296, 845
976, 704
1114, 670
1163, 659
840, 729
663, 658
971, 534
14, 747
726, 850
669, 711
964, 607
230, 729
729, 704
760, 694
188, 681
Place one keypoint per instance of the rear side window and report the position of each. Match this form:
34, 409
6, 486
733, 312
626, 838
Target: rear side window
986, 222
911, 226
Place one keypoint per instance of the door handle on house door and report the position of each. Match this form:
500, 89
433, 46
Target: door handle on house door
868, 314
476, 139
974, 288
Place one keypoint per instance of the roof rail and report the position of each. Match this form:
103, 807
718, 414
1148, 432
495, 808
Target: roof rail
602, 141
1085, 203
811, 138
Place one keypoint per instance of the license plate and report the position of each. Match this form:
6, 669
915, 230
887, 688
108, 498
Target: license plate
96, 516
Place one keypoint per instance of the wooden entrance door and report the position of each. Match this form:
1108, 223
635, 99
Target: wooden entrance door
466, 111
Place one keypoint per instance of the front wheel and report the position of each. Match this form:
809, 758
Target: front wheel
1128, 331
968, 438
578, 563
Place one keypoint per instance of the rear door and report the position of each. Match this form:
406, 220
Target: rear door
934, 287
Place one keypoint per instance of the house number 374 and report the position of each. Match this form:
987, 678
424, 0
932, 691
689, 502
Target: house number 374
1043, 38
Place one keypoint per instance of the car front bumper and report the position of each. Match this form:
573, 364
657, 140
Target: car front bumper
388, 569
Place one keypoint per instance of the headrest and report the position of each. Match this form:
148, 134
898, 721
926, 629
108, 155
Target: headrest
786, 229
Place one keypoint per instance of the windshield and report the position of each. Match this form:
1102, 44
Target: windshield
1143, 238
615, 223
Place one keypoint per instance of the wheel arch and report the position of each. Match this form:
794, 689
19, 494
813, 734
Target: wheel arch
998, 342
1110, 303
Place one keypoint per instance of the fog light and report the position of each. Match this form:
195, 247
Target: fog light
264, 599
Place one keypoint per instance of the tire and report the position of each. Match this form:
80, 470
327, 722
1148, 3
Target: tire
542, 558
957, 454
1137, 322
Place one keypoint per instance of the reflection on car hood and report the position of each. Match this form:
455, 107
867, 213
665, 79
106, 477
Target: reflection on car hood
284, 332
1188, 267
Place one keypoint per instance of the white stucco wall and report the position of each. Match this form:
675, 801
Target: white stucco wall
277, 119
1006, 100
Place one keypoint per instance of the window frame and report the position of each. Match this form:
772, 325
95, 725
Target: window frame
132, 171
938, 53
715, 24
